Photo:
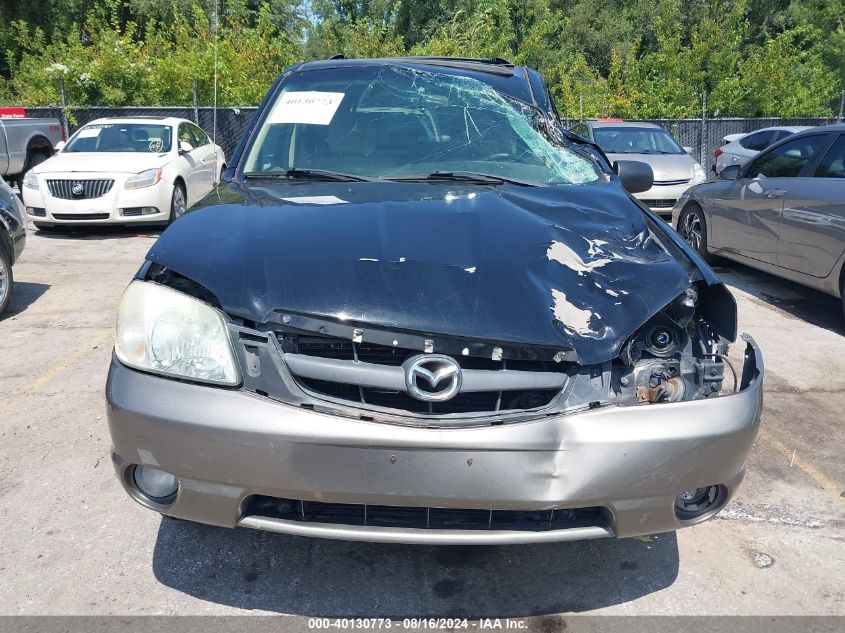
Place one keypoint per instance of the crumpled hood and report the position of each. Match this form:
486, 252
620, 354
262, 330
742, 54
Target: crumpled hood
115, 162
566, 267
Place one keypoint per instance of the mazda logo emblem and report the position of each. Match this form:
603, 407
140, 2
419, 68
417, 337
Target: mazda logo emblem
77, 189
432, 377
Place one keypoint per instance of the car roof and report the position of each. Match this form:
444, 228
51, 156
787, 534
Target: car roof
807, 131
632, 124
500, 74
772, 128
164, 120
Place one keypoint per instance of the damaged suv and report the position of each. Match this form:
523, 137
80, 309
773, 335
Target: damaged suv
408, 316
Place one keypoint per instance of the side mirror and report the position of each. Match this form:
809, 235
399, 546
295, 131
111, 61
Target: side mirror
185, 147
58, 146
634, 175
687, 149
731, 172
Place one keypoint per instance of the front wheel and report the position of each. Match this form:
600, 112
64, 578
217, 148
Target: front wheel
842, 294
6, 279
693, 228
178, 203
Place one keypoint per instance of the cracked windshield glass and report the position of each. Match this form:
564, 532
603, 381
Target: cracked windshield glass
395, 122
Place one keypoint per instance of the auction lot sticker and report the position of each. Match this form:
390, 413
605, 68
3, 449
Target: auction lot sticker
315, 108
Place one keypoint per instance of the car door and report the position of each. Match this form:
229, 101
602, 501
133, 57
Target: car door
812, 234
190, 164
207, 160
746, 218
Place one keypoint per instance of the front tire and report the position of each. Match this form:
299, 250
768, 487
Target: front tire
7, 280
842, 295
692, 225
178, 203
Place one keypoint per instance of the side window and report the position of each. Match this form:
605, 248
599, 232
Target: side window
833, 164
580, 130
780, 135
185, 134
787, 160
200, 137
757, 141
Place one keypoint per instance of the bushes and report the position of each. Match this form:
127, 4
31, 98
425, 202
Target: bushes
631, 58
104, 62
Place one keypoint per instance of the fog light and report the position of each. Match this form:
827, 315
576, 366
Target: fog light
696, 502
155, 483
134, 211
36, 211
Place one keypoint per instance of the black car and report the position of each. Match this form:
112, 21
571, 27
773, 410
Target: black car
12, 240
410, 315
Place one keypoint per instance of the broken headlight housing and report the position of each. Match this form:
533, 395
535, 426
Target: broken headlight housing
674, 356
167, 332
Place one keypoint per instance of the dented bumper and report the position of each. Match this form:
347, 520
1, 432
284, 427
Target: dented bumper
228, 446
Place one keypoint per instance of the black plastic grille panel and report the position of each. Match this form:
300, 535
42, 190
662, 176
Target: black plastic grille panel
422, 517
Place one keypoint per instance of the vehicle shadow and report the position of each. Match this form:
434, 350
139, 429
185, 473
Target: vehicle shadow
811, 306
24, 294
103, 232
313, 577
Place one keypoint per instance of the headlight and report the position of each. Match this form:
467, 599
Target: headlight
145, 179
168, 332
30, 180
698, 174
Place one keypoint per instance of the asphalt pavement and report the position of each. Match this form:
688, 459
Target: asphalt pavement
74, 543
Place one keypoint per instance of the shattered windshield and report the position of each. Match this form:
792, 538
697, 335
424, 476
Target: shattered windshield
394, 121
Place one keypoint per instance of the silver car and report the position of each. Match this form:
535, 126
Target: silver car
738, 149
783, 212
674, 169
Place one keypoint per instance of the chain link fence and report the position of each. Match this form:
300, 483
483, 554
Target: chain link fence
702, 135
231, 122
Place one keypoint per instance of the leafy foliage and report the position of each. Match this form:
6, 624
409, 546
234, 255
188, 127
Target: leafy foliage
630, 58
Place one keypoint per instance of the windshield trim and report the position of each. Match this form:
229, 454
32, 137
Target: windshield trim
625, 128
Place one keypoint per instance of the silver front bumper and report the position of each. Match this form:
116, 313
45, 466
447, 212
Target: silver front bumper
227, 445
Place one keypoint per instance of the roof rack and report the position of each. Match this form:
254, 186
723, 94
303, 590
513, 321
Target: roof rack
495, 61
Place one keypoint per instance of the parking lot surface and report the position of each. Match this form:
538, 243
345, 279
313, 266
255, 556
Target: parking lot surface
74, 543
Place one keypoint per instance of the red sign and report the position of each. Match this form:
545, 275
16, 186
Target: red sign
12, 113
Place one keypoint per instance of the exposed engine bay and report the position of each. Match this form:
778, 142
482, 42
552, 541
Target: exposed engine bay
675, 356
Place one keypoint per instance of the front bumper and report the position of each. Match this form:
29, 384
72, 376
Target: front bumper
106, 209
662, 198
226, 446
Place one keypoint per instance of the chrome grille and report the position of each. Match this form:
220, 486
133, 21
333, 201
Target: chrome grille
669, 183
659, 204
94, 188
489, 386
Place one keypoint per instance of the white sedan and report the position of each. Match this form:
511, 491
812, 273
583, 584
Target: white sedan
124, 170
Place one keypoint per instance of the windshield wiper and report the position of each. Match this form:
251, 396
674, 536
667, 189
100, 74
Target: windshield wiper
307, 174
462, 176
